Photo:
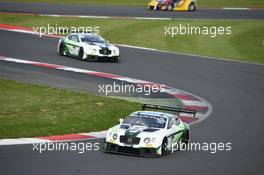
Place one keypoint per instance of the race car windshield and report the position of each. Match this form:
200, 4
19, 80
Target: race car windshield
93, 39
149, 121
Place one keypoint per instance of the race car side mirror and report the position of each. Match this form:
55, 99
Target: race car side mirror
121, 120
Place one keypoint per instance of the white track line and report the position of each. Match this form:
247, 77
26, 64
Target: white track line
186, 54
21, 141
235, 8
104, 17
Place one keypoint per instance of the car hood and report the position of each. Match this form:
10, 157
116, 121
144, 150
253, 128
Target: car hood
101, 45
137, 131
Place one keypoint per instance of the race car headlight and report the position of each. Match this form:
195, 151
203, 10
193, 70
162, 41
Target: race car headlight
147, 140
110, 134
115, 136
153, 139
116, 52
94, 50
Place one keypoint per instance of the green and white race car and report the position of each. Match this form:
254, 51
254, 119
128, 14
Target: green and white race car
148, 133
88, 46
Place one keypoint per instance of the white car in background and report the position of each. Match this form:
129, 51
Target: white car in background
88, 46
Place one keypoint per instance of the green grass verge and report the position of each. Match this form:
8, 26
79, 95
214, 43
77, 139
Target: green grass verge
245, 43
143, 3
28, 110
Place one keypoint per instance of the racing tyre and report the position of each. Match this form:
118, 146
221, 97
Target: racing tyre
185, 139
106, 146
192, 7
151, 7
164, 147
81, 54
61, 49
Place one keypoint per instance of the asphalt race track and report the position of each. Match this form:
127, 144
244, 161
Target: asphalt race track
123, 11
235, 90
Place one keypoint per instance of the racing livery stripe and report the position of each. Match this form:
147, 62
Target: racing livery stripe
71, 44
176, 133
128, 133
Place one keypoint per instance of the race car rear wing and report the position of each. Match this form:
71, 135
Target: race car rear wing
166, 108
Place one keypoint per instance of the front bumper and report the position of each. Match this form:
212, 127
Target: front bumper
144, 152
103, 58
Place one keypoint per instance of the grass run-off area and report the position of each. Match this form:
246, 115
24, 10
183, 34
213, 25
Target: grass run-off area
143, 3
246, 42
29, 110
